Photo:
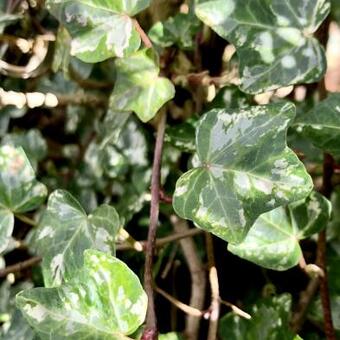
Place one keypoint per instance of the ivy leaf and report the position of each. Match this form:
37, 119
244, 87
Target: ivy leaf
138, 87
179, 30
273, 241
322, 124
103, 300
66, 231
274, 39
19, 190
100, 29
244, 169
270, 318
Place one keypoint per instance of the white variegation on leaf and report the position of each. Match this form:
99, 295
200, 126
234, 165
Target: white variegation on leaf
244, 169
273, 241
103, 300
66, 231
100, 29
19, 190
138, 86
274, 39
322, 124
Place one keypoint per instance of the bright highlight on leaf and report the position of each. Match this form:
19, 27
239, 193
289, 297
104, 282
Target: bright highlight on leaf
19, 190
273, 38
322, 124
66, 231
245, 169
138, 86
273, 241
103, 300
100, 29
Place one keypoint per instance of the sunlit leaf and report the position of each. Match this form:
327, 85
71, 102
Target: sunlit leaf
273, 241
274, 39
322, 124
100, 29
66, 231
244, 168
138, 86
19, 190
103, 300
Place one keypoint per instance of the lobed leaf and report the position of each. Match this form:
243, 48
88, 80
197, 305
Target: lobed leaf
19, 190
322, 124
273, 241
244, 169
273, 38
66, 231
103, 300
138, 86
100, 29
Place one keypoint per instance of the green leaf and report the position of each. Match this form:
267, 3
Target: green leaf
31, 141
322, 124
273, 38
103, 300
19, 190
178, 30
244, 168
270, 321
138, 87
66, 231
7, 19
273, 241
100, 29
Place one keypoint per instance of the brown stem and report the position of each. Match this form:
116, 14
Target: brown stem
150, 332
197, 274
147, 42
215, 293
20, 266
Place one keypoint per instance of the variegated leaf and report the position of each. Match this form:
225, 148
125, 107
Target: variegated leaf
273, 241
274, 39
243, 169
103, 300
66, 231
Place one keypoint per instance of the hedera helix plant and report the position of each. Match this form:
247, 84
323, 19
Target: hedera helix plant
91, 91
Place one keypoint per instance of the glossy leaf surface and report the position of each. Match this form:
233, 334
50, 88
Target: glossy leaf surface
274, 39
244, 169
100, 29
19, 190
103, 300
138, 86
66, 231
322, 124
273, 241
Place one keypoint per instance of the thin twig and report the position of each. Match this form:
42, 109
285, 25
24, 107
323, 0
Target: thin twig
20, 266
236, 310
150, 332
180, 305
215, 293
147, 42
197, 275
161, 241
26, 220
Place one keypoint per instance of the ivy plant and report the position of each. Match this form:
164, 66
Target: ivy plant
169, 153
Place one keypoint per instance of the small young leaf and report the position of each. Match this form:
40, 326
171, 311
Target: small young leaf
102, 300
245, 169
138, 87
100, 29
273, 241
66, 231
322, 124
19, 190
274, 39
